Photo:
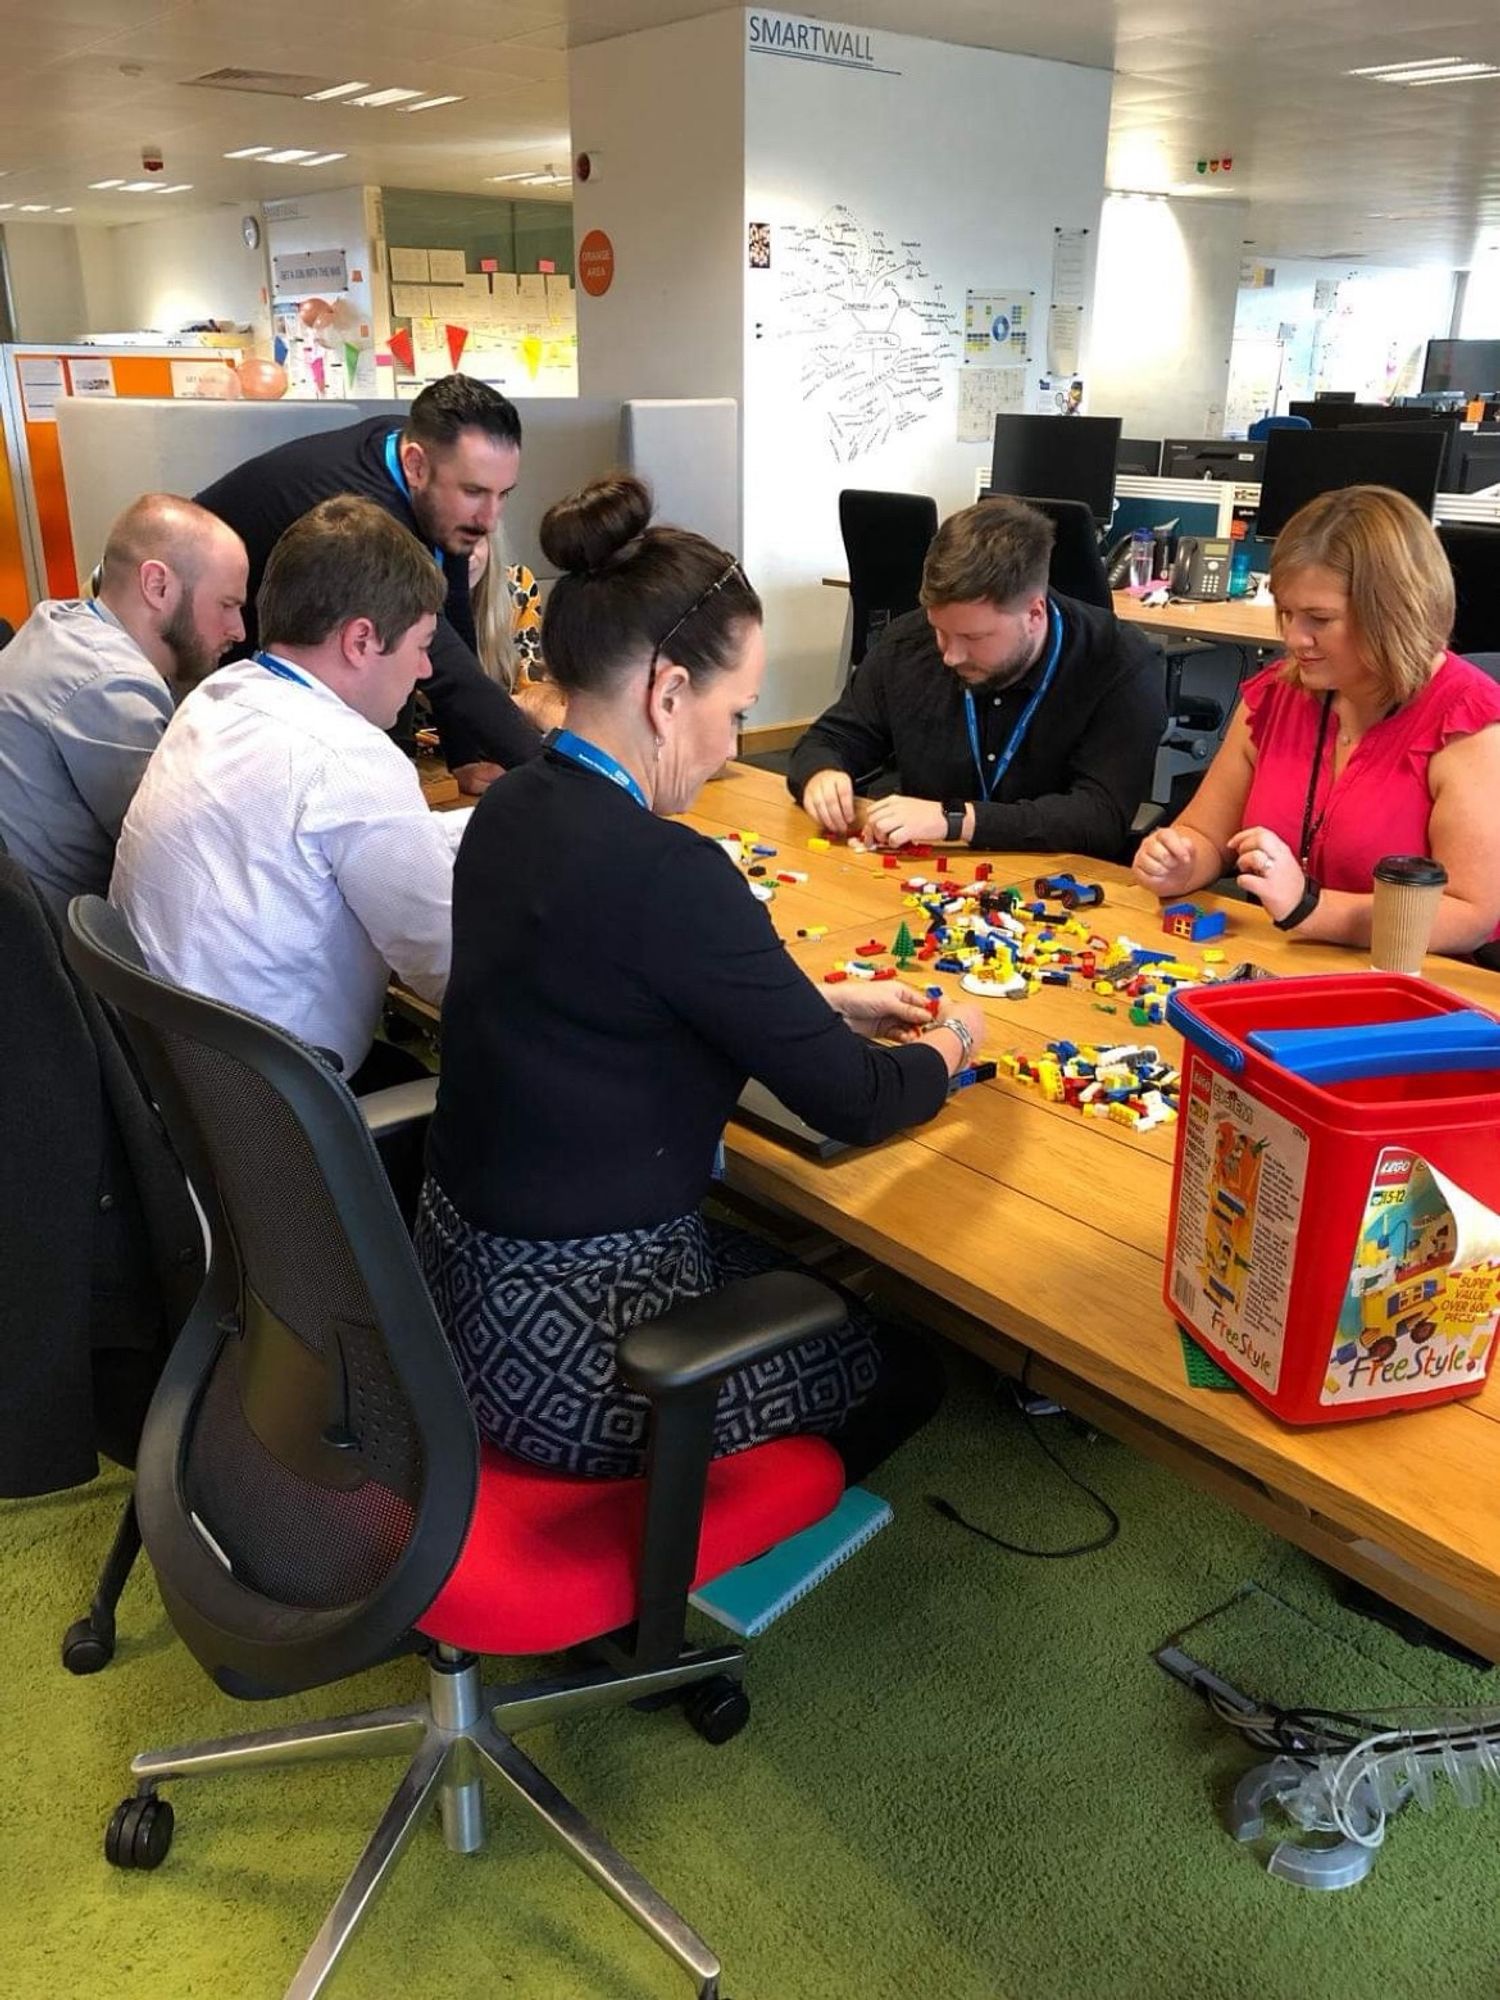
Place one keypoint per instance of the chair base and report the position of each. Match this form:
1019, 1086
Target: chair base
455, 1740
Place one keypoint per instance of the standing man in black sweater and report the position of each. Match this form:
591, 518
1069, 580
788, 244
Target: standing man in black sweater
1009, 716
445, 474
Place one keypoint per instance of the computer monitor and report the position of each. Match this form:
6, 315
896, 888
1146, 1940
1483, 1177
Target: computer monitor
1233, 459
1141, 456
1302, 464
1470, 366
1057, 458
1333, 395
1473, 462
1448, 429
1331, 416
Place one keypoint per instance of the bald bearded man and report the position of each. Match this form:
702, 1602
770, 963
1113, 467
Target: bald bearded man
88, 686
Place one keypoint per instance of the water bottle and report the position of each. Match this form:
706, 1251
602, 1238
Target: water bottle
1142, 551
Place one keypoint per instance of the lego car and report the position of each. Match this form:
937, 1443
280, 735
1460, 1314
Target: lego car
1069, 891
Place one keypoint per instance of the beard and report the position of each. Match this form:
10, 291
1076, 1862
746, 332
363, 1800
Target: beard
193, 659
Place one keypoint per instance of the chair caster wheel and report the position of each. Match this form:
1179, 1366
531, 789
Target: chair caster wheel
85, 1648
139, 1832
718, 1709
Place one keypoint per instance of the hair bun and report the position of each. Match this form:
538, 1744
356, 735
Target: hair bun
587, 530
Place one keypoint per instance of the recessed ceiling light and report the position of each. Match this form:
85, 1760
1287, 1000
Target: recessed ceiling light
338, 90
1436, 69
248, 153
431, 103
290, 155
177, 187
68, 210
7, 204
375, 100
106, 184
35, 207
324, 159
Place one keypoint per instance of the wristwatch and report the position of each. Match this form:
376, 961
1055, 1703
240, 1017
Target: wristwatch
955, 811
1301, 911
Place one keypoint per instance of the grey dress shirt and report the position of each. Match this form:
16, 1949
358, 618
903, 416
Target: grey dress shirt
81, 710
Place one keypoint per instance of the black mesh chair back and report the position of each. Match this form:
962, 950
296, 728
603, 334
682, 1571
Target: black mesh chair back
1077, 569
886, 538
1473, 553
309, 1463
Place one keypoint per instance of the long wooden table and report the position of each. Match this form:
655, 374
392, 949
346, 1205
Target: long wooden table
1234, 622
1028, 1229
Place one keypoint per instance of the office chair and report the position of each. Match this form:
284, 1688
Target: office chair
314, 1499
1473, 553
1262, 428
1077, 567
886, 538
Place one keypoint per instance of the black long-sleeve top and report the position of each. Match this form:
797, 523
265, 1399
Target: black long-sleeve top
476, 719
1078, 775
614, 983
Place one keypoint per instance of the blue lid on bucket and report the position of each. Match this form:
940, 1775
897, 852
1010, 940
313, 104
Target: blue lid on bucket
1463, 1039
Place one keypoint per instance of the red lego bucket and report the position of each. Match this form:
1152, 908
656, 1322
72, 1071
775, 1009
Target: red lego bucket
1334, 1238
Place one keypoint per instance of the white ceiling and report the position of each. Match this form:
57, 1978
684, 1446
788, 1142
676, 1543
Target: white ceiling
1330, 164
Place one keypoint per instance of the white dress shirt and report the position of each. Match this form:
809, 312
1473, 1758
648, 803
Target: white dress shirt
279, 855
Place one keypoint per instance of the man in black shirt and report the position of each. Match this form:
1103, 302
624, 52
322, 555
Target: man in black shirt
445, 474
1010, 717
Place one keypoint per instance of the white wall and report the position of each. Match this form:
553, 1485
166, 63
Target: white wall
668, 193
1359, 327
46, 281
174, 269
1164, 305
955, 166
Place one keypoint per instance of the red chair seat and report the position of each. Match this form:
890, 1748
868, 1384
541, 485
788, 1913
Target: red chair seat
551, 1561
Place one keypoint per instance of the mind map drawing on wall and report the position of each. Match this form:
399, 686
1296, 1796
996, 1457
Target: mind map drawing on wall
874, 333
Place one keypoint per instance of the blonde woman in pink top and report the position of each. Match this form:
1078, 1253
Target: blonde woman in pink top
1369, 738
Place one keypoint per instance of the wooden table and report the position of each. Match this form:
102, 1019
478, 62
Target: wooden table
1027, 1228
1234, 622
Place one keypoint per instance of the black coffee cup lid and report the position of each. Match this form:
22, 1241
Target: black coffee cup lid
1411, 871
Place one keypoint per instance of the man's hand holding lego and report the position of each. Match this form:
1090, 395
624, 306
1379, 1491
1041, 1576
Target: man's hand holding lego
828, 797
902, 822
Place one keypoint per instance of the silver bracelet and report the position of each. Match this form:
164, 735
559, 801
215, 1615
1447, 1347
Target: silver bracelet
965, 1039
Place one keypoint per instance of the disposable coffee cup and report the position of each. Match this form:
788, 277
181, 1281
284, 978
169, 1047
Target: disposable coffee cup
1408, 889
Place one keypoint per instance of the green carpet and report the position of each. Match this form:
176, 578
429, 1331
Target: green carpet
964, 1779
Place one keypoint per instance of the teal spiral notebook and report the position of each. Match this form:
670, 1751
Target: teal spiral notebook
750, 1598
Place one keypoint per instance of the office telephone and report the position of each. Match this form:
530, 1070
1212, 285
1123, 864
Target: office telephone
1201, 568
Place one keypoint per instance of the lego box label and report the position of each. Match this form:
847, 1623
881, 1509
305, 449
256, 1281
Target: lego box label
1424, 1290
1244, 1167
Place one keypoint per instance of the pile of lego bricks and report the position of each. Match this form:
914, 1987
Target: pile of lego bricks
1127, 1084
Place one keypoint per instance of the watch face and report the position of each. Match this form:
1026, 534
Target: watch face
250, 229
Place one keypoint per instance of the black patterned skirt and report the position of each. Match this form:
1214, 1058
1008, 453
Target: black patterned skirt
534, 1325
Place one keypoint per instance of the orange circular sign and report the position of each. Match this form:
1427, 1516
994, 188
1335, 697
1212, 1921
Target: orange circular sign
596, 263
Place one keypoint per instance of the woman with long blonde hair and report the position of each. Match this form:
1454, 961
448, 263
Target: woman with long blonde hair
508, 625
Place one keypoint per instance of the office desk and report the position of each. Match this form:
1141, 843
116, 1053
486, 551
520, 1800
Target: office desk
1028, 1228
1233, 622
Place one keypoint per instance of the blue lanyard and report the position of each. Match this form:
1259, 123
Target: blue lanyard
578, 750
280, 669
1018, 734
393, 467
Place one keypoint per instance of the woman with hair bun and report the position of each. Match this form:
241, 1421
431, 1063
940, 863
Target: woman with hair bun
613, 985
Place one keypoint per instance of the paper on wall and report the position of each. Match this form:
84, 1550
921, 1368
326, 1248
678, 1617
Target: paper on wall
531, 290
1069, 261
1064, 335
505, 304
446, 267
41, 385
408, 267
1059, 396
94, 377
411, 301
983, 395
997, 325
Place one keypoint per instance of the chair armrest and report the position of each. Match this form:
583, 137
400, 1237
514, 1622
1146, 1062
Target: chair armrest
678, 1362
699, 1342
399, 1106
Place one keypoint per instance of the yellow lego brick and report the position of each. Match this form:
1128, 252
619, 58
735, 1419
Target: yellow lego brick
1213, 956
817, 845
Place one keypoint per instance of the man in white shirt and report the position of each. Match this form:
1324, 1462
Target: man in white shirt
279, 854
86, 688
